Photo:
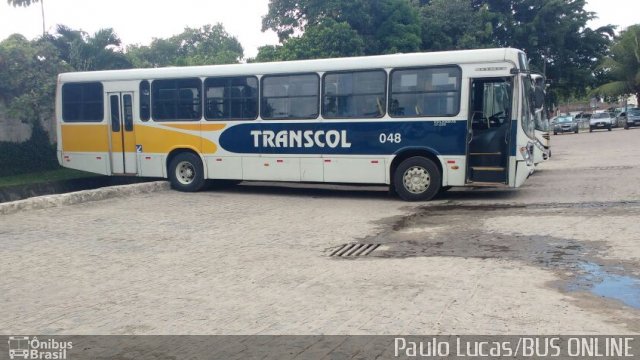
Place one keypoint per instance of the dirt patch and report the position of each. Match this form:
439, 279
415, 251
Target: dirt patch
453, 230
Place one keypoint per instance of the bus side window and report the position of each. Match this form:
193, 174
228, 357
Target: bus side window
354, 94
429, 91
290, 96
82, 102
231, 98
177, 99
145, 101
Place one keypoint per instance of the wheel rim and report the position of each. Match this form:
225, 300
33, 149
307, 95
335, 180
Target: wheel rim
185, 173
416, 179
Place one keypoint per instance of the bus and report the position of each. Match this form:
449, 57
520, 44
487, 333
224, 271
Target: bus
542, 141
419, 123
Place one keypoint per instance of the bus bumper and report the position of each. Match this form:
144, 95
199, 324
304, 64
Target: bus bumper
523, 171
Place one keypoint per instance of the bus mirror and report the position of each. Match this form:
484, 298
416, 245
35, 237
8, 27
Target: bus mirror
538, 97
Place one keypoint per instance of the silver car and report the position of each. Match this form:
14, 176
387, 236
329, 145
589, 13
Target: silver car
601, 121
631, 118
563, 124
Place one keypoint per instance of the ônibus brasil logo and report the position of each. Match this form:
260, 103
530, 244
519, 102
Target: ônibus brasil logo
24, 347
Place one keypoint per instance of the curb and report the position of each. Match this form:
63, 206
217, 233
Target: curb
79, 197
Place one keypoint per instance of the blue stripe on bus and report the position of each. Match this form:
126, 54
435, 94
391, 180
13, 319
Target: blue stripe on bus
514, 137
447, 137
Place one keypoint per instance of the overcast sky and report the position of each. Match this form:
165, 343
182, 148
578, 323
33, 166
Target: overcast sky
139, 21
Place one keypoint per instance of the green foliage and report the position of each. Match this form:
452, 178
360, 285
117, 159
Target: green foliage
397, 25
455, 25
622, 66
328, 39
84, 52
555, 36
28, 71
208, 45
385, 26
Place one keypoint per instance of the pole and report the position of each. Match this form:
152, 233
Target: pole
42, 10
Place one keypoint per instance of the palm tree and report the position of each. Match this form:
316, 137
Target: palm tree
623, 65
25, 3
84, 52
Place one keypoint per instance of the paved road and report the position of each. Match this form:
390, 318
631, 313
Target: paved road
556, 256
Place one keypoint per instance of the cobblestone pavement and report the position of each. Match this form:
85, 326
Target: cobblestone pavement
254, 259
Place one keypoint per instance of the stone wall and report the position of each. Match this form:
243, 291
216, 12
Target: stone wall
14, 130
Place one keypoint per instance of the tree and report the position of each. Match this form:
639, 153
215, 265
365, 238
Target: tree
25, 3
455, 25
84, 52
28, 71
210, 44
623, 65
386, 26
556, 38
328, 39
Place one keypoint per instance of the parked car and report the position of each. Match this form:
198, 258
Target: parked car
631, 118
583, 116
601, 121
563, 124
614, 118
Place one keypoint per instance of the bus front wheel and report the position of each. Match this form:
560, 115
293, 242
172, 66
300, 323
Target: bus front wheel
417, 179
186, 172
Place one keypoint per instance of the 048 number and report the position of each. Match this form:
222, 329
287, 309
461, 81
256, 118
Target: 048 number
394, 138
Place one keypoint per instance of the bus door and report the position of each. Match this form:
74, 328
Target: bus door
489, 130
123, 143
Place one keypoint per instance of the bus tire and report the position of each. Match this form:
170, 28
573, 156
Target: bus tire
186, 172
417, 179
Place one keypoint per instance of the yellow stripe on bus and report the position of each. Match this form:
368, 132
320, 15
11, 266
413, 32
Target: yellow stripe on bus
157, 140
95, 138
197, 127
85, 138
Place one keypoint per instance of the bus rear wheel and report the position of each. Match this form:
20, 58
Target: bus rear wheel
186, 172
417, 179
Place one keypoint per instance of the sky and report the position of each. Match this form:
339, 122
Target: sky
139, 21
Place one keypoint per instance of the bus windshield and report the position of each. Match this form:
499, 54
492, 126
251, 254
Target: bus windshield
528, 115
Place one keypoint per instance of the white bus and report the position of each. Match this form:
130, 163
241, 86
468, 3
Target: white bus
418, 122
542, 143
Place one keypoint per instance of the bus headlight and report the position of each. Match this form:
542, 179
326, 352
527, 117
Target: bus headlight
526, 154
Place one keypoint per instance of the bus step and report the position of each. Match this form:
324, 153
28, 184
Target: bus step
354, 250
486, 154
487, 168
486, 184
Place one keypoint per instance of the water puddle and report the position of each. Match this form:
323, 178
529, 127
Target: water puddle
596, 279
429, 232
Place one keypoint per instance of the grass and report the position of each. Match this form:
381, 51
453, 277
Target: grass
42, 177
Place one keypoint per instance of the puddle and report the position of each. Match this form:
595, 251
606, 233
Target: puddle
596, 279
452, 230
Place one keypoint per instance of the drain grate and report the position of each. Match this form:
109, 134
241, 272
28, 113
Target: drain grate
354, 249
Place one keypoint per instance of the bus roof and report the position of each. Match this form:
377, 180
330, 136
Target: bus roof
299, 66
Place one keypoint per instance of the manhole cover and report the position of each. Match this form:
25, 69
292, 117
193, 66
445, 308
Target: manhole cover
354, 249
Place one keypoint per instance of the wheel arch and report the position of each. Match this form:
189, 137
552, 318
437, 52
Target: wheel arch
425, 152
183, 149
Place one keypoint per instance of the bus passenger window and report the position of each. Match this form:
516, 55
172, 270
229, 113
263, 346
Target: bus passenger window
360, 94
231, 98
176, 99
82, 102
145, 101
421, 92
290, 96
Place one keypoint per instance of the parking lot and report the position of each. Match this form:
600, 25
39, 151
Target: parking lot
559, 255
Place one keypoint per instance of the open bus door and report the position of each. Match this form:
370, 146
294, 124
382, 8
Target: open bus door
489, 131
